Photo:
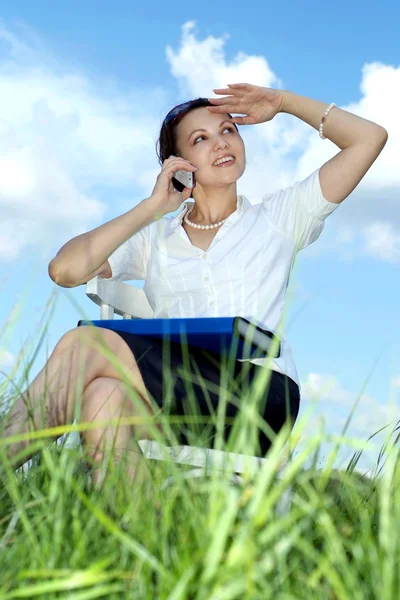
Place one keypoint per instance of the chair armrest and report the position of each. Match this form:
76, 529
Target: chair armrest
123, 298
201, 457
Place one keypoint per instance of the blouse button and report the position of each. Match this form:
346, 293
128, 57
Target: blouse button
212, 303
206, 278
203, 256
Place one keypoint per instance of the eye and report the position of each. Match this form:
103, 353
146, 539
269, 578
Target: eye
231, 129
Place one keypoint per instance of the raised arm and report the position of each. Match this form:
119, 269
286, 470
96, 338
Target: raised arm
361, 141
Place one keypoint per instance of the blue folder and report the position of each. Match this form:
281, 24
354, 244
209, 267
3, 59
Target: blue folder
216, 334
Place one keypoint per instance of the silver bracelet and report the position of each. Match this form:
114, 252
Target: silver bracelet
321, 127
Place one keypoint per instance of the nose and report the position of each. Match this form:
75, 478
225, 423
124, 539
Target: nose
221, 142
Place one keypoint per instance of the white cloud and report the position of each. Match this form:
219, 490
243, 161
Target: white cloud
382, 241
62, 138
200, 66
370, 414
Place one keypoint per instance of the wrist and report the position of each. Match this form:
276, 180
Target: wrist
155, 205
287, 102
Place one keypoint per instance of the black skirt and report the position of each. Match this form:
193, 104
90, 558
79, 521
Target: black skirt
187, 381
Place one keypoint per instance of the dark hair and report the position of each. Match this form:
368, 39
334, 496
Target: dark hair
167, 143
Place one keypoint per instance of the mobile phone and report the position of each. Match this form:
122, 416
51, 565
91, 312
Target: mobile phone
182, 179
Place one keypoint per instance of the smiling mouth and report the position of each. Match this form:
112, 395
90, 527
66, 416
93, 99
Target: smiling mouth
226, 163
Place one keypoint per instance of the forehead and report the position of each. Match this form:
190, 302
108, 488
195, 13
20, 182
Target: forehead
200, 118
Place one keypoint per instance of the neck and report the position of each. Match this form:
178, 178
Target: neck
214, 207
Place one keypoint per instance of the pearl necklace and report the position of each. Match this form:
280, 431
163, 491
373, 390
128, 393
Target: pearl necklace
186, 219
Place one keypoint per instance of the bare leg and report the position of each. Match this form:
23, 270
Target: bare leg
106, 399
78, 359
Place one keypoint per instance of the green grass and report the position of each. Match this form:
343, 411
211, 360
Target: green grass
205, 538
199, 539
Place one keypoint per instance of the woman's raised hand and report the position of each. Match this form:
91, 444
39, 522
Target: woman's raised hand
258, 104
163, 195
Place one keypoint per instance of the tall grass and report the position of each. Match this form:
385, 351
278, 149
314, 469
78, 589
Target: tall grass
204, 538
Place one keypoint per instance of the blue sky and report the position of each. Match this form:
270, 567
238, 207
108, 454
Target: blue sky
84, 89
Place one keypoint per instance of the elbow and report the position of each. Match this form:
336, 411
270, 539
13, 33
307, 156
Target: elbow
383, 137
58, 276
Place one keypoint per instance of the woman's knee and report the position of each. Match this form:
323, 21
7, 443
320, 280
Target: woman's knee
105, 354
94, 338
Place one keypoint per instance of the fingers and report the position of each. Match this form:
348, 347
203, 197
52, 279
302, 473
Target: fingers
233, 89
222, 91
220, 106
241, 121
176, 163
177, 160
237, 120
224, 109
226, 100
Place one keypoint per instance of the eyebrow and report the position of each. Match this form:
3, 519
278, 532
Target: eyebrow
226, 121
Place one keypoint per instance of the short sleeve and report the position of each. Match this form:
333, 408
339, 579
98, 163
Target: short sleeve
299, 211
129, 261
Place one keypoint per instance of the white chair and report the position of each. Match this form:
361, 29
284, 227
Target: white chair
131, 303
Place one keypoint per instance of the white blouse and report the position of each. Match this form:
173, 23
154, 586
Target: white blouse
245, 272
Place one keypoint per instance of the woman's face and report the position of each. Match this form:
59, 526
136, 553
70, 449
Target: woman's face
217, 136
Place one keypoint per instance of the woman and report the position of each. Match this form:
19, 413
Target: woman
221, 256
